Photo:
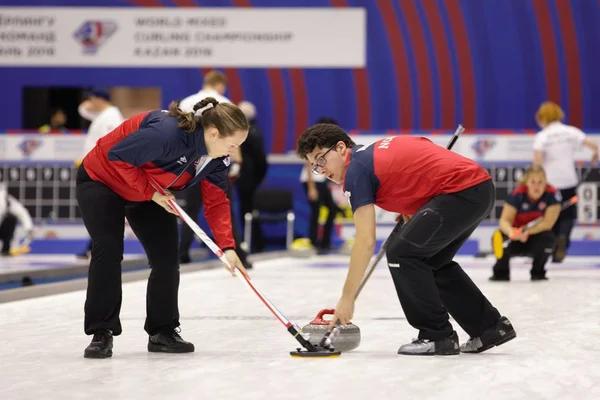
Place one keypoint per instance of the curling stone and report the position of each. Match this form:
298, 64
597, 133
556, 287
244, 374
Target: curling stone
346, 249
302, 248
346, 337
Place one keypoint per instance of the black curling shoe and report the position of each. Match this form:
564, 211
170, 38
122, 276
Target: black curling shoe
169, 342
101, 346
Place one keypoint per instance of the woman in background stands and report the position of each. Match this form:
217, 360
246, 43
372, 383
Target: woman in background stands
554, 149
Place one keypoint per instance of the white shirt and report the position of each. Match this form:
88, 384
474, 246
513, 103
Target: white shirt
102, 124
11, 205
559, 142
187, 104
316, 178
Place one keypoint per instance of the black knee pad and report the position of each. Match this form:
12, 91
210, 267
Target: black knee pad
415, 235
422, 227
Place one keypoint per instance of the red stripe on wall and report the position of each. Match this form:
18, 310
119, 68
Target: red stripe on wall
300, 99
234, 84
419, 46
185, 3
399, 56
147, 3
460, 39
443, 62
549, 52
279, 109
241, 3
572, 61
363, 98
361, 88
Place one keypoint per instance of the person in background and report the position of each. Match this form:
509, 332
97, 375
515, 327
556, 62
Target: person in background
253, 170
12, 212
532, 199
215, 85
554, 149
104, 117
58, 121
318, 194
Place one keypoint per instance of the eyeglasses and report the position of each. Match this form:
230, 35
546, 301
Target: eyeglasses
321, 161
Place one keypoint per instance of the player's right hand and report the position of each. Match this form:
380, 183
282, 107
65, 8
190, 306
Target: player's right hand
161, 200
523, 237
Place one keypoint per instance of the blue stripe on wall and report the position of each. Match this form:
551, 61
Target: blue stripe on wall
437, 102
453, 62
410, 57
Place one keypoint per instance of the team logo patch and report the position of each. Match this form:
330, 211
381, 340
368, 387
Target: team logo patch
542, 205
558, 196
525, 206
93, 33
227, 161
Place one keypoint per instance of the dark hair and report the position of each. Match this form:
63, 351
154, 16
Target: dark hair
56, 110
326, 120
323, 136
226, 117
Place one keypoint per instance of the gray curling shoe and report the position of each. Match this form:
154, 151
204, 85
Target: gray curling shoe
424, 347
501, 333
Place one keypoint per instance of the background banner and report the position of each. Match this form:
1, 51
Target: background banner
179, 37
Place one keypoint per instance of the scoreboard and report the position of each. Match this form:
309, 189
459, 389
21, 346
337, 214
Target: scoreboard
48, 190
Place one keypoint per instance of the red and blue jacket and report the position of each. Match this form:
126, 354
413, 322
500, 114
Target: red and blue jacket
529, 209
151, 147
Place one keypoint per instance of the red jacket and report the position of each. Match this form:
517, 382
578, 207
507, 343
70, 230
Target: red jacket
150, 147
402, 173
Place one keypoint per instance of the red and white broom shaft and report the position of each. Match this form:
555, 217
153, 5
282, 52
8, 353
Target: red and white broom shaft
219, 253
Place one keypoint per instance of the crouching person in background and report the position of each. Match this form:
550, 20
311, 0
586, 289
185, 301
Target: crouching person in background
532, 199
12, 212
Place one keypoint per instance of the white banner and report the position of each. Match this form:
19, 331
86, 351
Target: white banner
481, 148
490, 148
39, 147
183, 37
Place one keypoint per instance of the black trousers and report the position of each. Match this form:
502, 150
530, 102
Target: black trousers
325, 199
237, 237
193, 206
8, 224
428, 282
103, 213
566, 219
538, 246
246, 199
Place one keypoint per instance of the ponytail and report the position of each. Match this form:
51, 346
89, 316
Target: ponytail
226, 117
